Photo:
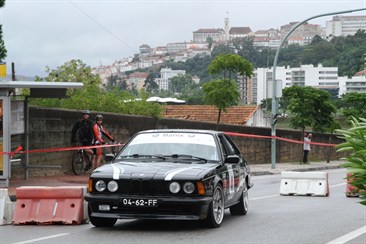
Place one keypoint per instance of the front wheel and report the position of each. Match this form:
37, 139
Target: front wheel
217, 208
78, 163
241, 208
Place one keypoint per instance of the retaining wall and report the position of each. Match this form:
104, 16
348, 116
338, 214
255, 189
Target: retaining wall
51, 128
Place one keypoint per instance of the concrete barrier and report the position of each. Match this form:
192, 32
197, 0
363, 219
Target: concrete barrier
351, 191
6, 208
50, 205
304, 183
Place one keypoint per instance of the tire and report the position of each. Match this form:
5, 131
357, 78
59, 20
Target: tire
241, 208
101, 222
217, 209
78, 163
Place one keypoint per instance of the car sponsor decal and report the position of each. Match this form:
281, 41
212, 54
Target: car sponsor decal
171, 174
116, 172
231, 181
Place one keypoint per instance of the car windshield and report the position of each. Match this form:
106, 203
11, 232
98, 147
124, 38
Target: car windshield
172, 145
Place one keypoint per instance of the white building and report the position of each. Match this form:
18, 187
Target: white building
353, 84
345, 25
165, 77
305, 75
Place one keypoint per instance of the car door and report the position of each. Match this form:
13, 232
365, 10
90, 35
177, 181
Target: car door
232, 174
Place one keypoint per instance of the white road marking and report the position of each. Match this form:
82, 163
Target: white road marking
259, 198
270, 196
42, 238
350, 236
341, 184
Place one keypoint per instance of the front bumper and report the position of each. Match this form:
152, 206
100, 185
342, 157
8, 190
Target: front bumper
168, 207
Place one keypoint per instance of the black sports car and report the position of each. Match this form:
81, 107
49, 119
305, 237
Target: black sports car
171, 174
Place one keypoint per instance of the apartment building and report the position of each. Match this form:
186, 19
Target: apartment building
303, 35
353, 84
267, 38
239, 32
165, 77
137, 80
306, 75
201, 35
345, 25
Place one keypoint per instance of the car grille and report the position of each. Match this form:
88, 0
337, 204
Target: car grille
140, 187
143, 187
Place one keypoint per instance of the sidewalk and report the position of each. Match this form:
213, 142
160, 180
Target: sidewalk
82, 180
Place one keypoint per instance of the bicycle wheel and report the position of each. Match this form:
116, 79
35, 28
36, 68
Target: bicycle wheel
78, 162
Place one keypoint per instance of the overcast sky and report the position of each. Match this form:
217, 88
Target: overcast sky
40, 33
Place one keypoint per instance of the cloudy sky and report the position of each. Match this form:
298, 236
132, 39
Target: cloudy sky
40, 33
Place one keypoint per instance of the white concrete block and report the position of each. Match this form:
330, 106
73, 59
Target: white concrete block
304, 183
6, 208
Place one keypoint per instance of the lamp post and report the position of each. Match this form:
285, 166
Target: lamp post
274, 85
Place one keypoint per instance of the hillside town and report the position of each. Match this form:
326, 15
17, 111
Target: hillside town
252, 89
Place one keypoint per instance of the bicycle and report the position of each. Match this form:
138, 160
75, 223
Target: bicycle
80, 160
80, 156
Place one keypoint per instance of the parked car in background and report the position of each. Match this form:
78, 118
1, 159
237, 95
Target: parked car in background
171, 174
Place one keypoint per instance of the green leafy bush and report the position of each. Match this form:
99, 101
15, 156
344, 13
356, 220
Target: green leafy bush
355, 143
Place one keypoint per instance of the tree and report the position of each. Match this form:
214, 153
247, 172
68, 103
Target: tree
91, 96
309, 107
3, 51
209, 40
229, 65
224, 93
354, 104
150, 84
180, 82
356, 161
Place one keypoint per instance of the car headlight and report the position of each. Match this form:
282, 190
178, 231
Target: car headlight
188, 187
112, 186
100, 185
174, 187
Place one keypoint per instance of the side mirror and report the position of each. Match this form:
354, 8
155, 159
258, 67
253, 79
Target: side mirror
232, 159
109, 157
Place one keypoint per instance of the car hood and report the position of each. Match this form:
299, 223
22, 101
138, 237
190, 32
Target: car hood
155, 170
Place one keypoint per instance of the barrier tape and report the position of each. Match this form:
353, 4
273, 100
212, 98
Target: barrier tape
19, 149
280, 138
59, 149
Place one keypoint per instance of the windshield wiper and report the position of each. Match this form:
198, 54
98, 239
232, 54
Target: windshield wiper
142, 156
189, 156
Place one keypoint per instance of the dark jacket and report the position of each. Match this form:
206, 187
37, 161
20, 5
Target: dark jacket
85, 128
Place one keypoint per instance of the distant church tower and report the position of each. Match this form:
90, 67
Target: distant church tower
226, 28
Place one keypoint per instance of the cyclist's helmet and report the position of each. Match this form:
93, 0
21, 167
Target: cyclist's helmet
86, 112
98, 117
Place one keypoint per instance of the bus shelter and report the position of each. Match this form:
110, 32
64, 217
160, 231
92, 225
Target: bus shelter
19, 124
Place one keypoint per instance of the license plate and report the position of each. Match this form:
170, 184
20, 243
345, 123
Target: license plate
139, 202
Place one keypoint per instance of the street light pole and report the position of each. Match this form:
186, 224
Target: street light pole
274, 82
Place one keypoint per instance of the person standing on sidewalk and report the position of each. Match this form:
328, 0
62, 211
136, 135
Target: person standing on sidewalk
85, 128
99, 132
307, 140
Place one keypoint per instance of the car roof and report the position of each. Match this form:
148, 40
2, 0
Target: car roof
212, 132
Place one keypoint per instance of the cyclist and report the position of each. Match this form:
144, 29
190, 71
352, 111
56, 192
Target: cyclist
99, 132
85, 128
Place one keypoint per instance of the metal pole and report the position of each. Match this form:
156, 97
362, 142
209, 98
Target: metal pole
274, 85
26, 132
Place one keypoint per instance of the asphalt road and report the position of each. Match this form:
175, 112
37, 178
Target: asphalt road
271, 219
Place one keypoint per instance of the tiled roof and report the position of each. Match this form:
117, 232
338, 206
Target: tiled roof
238, 115
208, 31
361, 73
239, 30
